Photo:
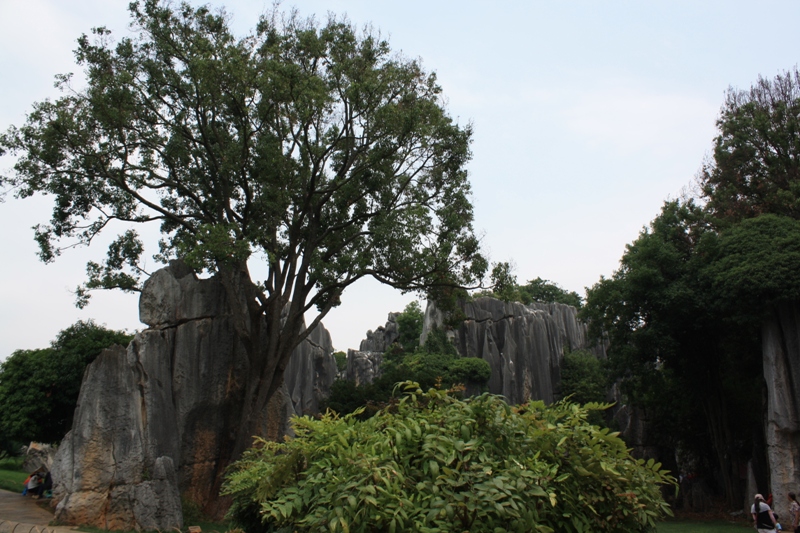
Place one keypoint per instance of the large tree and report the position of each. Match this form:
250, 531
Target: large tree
755, 167
683, 352
311, 147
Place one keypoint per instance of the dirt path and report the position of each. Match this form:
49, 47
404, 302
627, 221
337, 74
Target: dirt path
21, 514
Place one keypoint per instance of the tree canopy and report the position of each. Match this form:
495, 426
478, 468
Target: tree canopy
39, 388
683, 312
311, 147
756, 160
314, 146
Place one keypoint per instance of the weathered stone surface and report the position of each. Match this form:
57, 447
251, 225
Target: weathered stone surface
116, 470
38, 455
781, 356
383, 337
363, 367
154, 421
523, 344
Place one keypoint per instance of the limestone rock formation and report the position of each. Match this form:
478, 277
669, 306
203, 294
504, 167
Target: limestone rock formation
523, 344
383, 337
363, 367
153, 421
781, 358
38, 455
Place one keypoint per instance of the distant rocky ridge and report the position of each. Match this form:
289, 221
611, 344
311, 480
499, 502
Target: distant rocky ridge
523, 344
153, 420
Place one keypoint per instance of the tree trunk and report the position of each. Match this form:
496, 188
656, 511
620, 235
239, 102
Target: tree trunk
269, 337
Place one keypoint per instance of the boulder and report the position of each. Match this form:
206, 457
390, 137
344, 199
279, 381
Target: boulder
153, 421
38, 455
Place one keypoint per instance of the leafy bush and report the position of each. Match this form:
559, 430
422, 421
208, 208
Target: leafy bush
470, 370
583, 378
433, 463
341, 361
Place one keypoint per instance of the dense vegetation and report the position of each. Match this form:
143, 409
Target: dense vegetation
682, 315
39, 388
312, 146
506, 288
436, 363
434, 463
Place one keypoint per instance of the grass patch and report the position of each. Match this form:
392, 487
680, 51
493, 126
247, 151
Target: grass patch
11, 474
695, 526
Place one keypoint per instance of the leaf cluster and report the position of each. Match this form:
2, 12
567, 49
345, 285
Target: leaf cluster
39, 388
506, 288
435, 463
312, 145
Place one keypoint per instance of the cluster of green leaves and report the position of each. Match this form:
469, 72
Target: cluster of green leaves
428, 369
435, 463
39, 388
506, 288
583, 378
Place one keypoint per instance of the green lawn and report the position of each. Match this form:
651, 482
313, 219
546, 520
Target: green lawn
714, 526
11, 474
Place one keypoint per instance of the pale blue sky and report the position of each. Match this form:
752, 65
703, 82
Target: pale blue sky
587, 116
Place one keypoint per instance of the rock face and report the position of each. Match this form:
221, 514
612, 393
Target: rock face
781, 352
38, 455
152, 421
523, 344
363, 365
383, 337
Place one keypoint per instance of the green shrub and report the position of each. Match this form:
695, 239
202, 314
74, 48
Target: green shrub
470, 370
583, 378
433, 463
341, 361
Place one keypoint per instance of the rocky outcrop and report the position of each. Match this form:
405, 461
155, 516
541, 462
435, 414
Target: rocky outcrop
781, 356
523, 344
153, 421
363, 367
379, 340
38, 456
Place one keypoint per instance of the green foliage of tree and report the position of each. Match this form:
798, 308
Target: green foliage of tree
341, 360
756, 160
753, 264
583, 378
433, 463
506, 288
542, 290
677, 347
39, 388
312, 146
409, 323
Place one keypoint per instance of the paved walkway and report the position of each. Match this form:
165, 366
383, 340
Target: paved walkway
21, 514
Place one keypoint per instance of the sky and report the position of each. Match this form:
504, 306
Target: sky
587, 116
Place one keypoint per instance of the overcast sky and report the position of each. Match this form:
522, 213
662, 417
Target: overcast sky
587, 116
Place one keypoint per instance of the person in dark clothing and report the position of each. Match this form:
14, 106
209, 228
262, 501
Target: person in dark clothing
762, 515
